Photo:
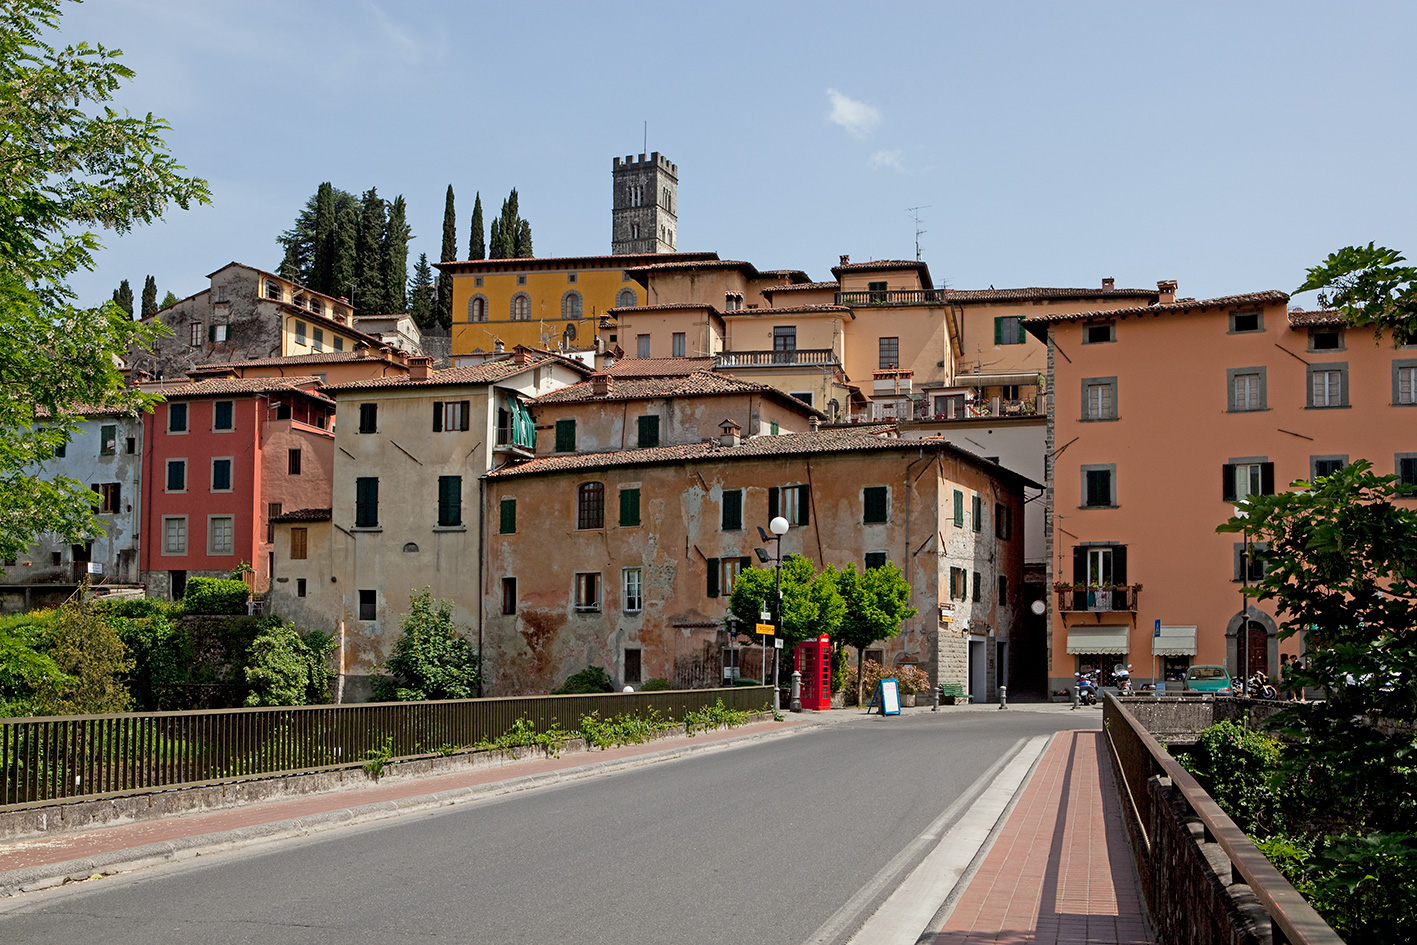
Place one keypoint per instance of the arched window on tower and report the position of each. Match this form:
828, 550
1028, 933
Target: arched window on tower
521, 307
626, 299
477, 309
571, 305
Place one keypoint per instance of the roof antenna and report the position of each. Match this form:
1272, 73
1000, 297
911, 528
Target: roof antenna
915, 212
646, 150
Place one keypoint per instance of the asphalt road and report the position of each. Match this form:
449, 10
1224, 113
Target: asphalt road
760, 844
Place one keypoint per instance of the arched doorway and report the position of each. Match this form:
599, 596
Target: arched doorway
1251, 644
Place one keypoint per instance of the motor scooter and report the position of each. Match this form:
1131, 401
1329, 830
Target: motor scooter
1122, 679
1087, 687
1259, 686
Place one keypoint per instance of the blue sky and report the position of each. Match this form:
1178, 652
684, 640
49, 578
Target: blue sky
1225, 145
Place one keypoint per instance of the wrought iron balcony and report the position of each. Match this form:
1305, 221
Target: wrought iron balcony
892, 297
1108, 598
800, 357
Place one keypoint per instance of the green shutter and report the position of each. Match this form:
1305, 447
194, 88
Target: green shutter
713, 567
565, 436
449, 500
366, 502
998, 331
649, 431
876, 500
466, 415
773, 503
629, 507
959, 509
804, 501
437, 416
509, 516
732, 510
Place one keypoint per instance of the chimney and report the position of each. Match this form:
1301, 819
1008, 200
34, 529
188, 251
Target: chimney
420, 368
498, 347
845, 259
386, 352
1109, 283
361, 349
814, 424
521, 354
1166, 288
730, 435
601, 384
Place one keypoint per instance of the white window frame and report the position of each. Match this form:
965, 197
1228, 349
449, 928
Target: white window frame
1249, 480
174, 526
228, 548
632, 589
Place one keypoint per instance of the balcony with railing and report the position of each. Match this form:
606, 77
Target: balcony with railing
892, 297
1109, 598
798, 357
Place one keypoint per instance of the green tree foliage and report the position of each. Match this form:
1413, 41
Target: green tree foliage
420, 293
1342, 568
877, 603
1371, 287
207, 595
71, 169
510, 235
591, 679
168, 300
431, 660
123, 297
26, 668
346, 236
811, 603
477, 243
394, 257
149, 297
93, 659
443, 297
312, 246
1239, 769
288, 669
368, 258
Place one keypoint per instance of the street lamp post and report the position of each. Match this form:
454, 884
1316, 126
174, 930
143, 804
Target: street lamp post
778, 526
1242, 632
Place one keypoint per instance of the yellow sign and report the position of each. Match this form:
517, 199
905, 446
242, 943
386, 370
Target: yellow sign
766, 628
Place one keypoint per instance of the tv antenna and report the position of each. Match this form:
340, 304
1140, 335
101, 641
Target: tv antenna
915, 213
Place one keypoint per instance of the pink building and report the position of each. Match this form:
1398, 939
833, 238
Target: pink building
220, 458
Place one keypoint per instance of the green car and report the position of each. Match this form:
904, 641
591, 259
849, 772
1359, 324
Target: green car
1207, 679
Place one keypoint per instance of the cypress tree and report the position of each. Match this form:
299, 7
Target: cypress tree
323, 263
149, 297
123, 295
368, 269
524, 250
395, 257
494, 240
420, 292
449, 253
342, 263
477, 247
510, 234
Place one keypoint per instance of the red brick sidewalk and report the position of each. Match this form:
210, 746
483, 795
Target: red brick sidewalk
75, 845
1061, 870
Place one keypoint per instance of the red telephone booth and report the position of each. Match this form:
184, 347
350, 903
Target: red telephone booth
813, 659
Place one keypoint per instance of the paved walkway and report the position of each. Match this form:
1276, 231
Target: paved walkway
1061, 870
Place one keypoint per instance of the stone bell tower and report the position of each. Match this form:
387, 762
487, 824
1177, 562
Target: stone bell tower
646, 203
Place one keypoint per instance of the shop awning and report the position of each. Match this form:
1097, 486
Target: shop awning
1098, 639
1174, 641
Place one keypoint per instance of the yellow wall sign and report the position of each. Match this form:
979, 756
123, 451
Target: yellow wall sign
766, 628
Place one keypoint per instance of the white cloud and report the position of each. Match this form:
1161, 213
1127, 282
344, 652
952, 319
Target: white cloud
857, 118
889, 159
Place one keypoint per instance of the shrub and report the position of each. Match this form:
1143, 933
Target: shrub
909, 678
1238, 768
93, 659
24, 666
655, 685
288, 669
590, 679
206, 595
431, 660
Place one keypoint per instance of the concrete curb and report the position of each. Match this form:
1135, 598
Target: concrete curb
46, 876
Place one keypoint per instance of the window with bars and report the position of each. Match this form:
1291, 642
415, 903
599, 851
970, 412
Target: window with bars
590, 505
887, 353
449, 501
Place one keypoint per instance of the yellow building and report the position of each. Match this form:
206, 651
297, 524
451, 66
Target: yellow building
543, 302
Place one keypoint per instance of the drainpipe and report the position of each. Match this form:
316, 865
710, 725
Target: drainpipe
481, 566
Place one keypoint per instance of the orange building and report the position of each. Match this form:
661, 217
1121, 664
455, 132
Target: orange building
1163, 418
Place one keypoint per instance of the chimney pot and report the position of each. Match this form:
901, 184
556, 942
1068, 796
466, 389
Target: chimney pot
498, 347
601, 384
730, 435
814, 424
420, 368
1166, 288
1109, 283
845, 259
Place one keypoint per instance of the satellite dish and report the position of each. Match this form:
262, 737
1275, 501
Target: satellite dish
835, 407
545, 339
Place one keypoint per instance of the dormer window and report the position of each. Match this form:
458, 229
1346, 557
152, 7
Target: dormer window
273, 291
1245, 321
1325, 339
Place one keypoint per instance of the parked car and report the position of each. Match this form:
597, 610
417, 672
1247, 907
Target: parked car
1207, 679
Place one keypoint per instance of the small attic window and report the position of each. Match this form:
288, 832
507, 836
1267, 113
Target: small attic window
1099, 334
1325, 339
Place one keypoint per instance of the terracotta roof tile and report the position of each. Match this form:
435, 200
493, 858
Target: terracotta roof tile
826, 442
308, 385
303, 515
1036, 323
328, 357
664, 307
790, 310
486, 373
801, 287
1033, 293
620, 261
657, 367
701, 383
1317, 318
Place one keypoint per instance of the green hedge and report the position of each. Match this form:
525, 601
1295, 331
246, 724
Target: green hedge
206, 595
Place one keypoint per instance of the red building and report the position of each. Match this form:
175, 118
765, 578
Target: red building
220, 458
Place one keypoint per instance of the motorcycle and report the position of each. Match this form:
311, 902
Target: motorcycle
1122, 679
1260, 688
1087, 687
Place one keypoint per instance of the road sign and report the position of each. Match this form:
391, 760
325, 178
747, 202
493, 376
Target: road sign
766, 629
777, 642
1156, 631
